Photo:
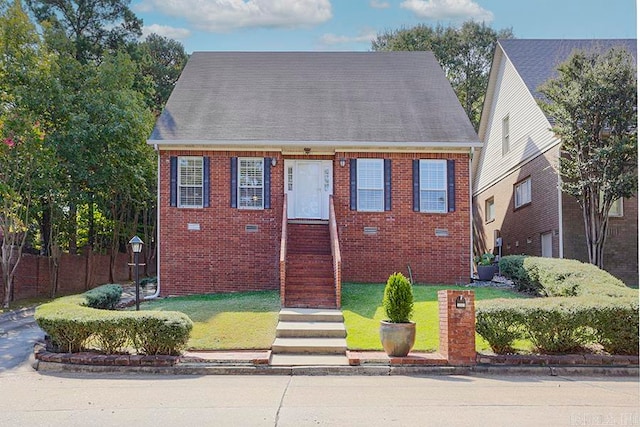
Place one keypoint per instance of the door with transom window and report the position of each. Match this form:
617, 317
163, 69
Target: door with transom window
308, 185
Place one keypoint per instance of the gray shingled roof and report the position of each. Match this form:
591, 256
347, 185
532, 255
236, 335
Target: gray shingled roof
395, 97
537, 60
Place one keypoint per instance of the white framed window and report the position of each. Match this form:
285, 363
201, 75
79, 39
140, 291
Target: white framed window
250, 183
433, 186
505, 135
522, 192
370, 185
489, 210
190, 182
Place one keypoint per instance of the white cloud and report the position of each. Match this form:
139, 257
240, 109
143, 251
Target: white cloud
166, 31
448, 9
377, 4
334, 39
226, 15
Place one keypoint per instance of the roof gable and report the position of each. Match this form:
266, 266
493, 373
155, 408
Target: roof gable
537, 60
386, 97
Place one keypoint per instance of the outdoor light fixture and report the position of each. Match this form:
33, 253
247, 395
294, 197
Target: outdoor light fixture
307, 150
461, 302
136, 247
274, 161
343, 162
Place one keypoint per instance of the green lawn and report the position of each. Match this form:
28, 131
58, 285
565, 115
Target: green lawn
362, 308
248, 320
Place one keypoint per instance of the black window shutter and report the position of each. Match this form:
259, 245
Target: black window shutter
173, 181
451, 185
206, 181
353, 184
387, 184
416, 185
233, 182
267, 182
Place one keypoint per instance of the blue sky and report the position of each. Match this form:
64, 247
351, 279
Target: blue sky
332, 25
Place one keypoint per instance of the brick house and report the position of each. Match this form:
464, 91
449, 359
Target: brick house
297, 171
516, 192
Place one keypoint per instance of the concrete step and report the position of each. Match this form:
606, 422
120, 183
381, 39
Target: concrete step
309, 360
311, 330
310, 315
309, 346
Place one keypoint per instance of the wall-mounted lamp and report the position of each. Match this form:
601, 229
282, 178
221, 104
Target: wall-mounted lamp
307, 150
274, 161
461, 302
343, 162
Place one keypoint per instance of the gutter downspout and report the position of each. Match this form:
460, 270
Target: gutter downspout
470, 214
157, 293
560, 219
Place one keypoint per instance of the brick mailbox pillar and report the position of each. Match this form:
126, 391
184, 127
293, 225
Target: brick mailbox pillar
457, 326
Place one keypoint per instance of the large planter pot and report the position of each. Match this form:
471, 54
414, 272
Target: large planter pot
486, 272
397, 338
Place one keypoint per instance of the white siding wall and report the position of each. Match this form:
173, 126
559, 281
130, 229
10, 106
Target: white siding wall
528, 128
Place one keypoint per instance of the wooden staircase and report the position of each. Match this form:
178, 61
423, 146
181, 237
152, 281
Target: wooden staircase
309, 267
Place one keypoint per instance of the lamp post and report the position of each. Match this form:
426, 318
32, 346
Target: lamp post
136, 247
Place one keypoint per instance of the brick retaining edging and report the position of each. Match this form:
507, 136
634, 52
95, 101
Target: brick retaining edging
356, 359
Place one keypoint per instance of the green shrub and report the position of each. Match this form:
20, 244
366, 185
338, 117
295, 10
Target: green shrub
73, 327
616, 326
398, 299
104, 297
553, 277
500, 324
561, 324
556, 325
147, 280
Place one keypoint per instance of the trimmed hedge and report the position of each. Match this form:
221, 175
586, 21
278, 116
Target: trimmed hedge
583, 306
72, 327
553, 277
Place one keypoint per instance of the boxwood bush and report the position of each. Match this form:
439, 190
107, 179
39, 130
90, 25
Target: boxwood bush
105, 297
582, 305
73, 326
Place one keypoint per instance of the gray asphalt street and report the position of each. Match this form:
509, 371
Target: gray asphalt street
18, 334
31, 398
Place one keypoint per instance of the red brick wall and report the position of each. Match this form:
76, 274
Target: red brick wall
404, 238
521, 229
223, 257
621, 246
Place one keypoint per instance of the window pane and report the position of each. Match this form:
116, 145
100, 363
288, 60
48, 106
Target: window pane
433, 186
370, 200
190, 176
490, 213
370, 185
250, 183
433, 201
523, 193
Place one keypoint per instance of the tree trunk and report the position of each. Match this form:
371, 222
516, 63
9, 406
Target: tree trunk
73, 228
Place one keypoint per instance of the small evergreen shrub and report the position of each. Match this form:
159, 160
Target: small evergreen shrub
616, 326
104, 297
398, 299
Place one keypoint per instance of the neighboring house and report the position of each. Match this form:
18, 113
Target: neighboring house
380, 136
516, 192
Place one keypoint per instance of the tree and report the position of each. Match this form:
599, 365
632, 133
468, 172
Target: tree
593, 104
161, 61
25, 161
464, 53
94, 26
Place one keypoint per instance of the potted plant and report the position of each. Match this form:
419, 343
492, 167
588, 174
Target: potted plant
485, 267
398, 332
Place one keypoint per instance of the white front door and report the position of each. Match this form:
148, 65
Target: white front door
308, 184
